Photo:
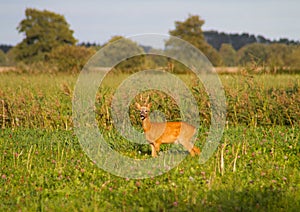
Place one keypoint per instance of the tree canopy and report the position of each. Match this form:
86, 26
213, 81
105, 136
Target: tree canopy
228, 54
190, 30
3, 58
44, 31
122, 49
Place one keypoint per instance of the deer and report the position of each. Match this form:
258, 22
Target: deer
158, 133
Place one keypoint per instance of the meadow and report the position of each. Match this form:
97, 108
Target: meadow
255, 168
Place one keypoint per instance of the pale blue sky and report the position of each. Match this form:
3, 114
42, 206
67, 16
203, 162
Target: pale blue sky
98, 20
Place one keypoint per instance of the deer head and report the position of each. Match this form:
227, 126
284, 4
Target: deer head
145, 109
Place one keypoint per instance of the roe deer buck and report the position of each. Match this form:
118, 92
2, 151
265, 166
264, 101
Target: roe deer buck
158, 133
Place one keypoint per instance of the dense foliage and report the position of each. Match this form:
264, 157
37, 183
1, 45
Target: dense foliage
68, 58
44, 31
3, 59
190, 30
216, 39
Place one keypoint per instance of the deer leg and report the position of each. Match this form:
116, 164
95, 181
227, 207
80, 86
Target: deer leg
153, 150
190, 147
187, 145
196, 150
157, 147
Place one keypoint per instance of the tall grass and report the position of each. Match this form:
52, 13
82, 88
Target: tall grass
45, 101
36, 101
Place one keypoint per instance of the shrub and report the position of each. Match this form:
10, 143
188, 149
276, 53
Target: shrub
68, 58
3, 59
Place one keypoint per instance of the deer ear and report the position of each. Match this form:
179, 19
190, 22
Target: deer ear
138, 106
149, 105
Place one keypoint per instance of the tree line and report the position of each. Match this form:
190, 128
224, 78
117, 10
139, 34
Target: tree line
216, 39
49, 41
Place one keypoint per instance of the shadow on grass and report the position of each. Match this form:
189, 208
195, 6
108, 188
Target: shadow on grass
251, 200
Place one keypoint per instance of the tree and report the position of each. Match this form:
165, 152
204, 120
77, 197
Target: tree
122, 50
68, 58
11, 56
44, 31
3, 59
292, 60
278, 55
5, 48
228, 55
190, 30
254, 54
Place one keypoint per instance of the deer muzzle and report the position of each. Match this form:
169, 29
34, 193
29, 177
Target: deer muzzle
143, 115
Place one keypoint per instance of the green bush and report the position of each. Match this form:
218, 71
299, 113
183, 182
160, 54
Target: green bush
119, 49
3, 59
68, 58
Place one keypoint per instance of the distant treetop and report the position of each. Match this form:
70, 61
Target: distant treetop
44, 31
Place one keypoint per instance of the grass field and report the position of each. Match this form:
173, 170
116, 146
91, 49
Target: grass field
256, 167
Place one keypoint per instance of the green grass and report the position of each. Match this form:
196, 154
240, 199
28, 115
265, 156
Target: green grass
42, 170
256, 167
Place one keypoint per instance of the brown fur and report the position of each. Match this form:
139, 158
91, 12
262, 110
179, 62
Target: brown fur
158, 133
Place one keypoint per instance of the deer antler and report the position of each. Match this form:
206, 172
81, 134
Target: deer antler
147, 100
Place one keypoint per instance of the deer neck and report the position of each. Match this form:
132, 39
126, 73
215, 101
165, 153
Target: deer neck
146, 124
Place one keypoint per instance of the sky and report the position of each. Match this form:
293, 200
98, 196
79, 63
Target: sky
98, 20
